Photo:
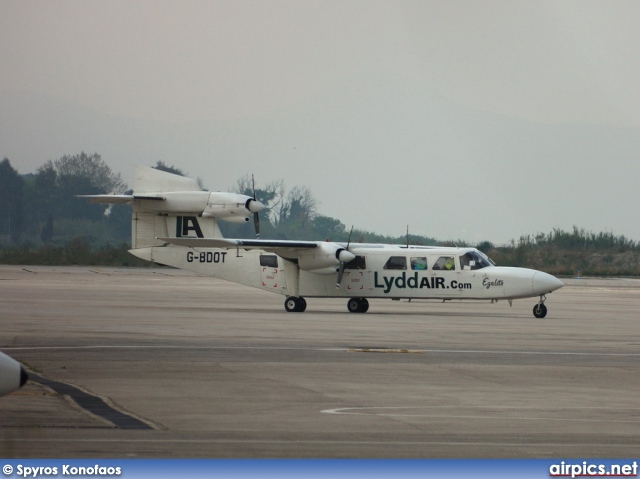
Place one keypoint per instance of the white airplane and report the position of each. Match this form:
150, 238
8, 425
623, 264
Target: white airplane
12, 375
175, 223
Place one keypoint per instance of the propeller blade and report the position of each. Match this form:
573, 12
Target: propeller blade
340, 273
256, 224
256, 218
344, 256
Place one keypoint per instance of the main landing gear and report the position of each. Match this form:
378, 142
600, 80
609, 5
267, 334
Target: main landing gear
294, 304
358, 305
540, 310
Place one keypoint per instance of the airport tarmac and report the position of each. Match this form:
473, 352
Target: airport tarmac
164, 363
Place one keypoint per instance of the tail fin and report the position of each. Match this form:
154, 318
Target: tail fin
167, 205
150, 180
147, 226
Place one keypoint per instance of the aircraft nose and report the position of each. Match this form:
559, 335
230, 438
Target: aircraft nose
545, 283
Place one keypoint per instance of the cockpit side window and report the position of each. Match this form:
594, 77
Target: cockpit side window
445, 263
467, 261
419, 263
473, 260
396, 262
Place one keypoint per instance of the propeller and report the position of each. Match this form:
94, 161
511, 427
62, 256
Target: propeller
344, 256
255, 206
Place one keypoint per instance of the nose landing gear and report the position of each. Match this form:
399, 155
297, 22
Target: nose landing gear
540, 310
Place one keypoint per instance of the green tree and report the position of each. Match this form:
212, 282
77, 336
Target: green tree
162, 166
11, 196
52, 195
326, 227
93, 169
43, 200
297, 211
83, 174
288, 214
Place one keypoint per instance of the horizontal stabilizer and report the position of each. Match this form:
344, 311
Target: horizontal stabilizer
245, 244
118, 199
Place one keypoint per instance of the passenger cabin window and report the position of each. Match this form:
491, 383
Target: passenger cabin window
358, 262
396, 262
419, 264
473, 260
269, 260
445, 263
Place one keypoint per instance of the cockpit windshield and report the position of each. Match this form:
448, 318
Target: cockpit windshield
474, 260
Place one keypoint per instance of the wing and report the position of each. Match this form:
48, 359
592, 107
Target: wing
321, 257
286, 249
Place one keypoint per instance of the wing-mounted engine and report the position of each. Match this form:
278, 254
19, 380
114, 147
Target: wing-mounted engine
325, 259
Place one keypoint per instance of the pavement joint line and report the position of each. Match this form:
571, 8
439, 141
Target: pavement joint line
342, 349
486, 418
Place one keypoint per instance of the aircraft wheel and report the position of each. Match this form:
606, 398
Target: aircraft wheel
295, 305
353, 305
540, 310
357, 305
302, 304
364, 305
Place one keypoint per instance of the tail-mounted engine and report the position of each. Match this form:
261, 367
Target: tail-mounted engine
231, 207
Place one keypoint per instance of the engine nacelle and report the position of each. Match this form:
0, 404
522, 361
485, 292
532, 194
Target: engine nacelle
228, 206
325, 259
235, 219
192, 202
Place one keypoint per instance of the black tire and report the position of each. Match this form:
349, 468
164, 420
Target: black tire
353, 305
292, 305
364, 305
358, 305
302, 305
540, 310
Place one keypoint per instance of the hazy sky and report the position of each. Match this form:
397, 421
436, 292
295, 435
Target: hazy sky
464, 120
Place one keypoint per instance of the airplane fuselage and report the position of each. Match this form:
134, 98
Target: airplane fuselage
381, 271
174, 223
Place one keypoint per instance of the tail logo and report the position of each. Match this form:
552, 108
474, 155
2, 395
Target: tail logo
186, 224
